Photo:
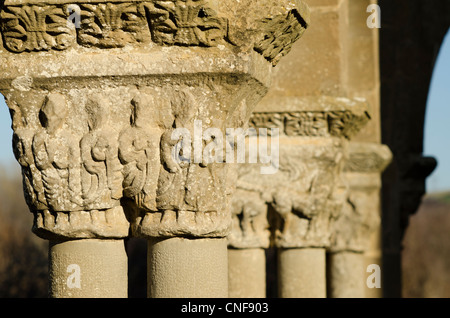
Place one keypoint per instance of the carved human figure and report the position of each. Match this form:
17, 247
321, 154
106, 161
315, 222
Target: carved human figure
102, 175
139, 154
175, 162
22, 148
57, 156
186, 182
205, 181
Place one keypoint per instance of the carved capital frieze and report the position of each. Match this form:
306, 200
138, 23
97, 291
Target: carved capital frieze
360, 215
304, 195
99, 110
33, 26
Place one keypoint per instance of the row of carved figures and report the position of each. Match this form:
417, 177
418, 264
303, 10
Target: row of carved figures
63, 172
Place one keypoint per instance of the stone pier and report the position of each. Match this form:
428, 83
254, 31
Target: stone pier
313, 101
304, 194
354, 233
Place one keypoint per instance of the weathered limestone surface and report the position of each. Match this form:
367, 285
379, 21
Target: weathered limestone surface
187, 268
355, 235
246, 273
302, 273
119, 109
338, 60
88, 268
354, 228
345, 275
94, 107
304, 192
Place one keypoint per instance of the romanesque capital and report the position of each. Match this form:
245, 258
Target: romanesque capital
303, 195
106, 98
360, 215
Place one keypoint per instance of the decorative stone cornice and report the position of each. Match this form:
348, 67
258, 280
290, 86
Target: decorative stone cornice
32, 26
323, 116
94, 108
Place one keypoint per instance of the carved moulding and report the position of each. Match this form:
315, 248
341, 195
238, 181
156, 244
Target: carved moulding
302, 199
93, 128
28, 25
360, 216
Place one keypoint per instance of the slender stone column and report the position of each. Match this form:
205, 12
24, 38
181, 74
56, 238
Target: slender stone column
187, 268
120, 111
88, 269
249, 238
247, 273
301, 273
355, 230
345, 275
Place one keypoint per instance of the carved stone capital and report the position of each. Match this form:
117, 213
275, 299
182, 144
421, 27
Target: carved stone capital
95, 107
360, 215
250, 227
303, 192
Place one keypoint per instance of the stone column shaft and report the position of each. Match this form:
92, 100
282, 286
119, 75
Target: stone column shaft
187, 268
88, 269
345, 275
247, 273
301, 273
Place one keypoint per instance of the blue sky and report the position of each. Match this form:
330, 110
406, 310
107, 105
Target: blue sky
437, 121
437, 125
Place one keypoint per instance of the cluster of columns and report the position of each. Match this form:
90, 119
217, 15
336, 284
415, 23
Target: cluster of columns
331, 77
115, 119
320, 210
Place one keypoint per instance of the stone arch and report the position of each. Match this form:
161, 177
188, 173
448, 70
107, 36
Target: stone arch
410, 38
